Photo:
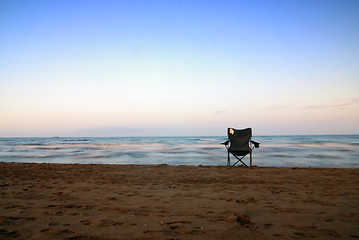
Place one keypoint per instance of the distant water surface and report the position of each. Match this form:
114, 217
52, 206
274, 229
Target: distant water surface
278, 151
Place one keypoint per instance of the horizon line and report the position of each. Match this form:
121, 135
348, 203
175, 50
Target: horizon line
260, 135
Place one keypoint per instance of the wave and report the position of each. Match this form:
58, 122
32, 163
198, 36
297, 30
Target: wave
24, 156
31, 145
321, 156
76, 140
328, 146
274, 151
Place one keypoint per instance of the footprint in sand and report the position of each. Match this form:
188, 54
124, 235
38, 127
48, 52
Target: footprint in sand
87, 222
109, 222
8, 233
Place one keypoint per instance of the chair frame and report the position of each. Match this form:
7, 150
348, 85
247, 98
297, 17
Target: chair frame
251, 144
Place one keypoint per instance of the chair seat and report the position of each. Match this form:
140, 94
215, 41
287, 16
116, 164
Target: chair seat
239, 153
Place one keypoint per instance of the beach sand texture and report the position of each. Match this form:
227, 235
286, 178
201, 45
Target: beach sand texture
56, 201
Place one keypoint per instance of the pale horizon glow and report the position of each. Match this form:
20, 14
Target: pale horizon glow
178, 68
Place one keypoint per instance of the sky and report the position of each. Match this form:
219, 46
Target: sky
178, 67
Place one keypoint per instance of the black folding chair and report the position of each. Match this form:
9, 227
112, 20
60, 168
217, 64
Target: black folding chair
239, 144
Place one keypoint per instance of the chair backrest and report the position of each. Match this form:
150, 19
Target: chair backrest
239, 139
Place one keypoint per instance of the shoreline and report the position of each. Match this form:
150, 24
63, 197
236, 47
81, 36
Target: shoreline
178, 165
106, 201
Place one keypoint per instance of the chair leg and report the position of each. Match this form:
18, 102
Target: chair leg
239, 160
228, 159
250, 157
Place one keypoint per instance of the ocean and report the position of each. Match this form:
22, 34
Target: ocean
329, 151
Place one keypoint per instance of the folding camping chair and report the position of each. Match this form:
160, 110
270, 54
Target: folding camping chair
239, 144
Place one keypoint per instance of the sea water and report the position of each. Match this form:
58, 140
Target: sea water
279, 151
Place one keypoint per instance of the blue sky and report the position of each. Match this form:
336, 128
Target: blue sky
147, 68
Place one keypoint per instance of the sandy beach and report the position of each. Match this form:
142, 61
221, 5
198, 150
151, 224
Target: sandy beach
56, 201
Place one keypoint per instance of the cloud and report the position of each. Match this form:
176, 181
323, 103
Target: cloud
350, 101
219, 112
339, 104
121, 131
277, 108
110, 131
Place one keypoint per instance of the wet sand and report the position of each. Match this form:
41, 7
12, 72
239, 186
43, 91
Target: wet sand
55, 201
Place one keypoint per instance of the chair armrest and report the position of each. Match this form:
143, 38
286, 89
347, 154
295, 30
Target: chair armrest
225, 143
256, 144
